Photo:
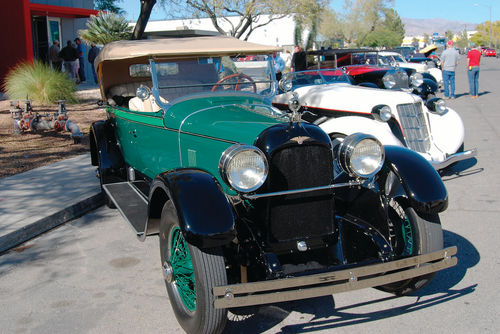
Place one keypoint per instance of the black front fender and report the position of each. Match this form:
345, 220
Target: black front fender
421, 183
205, 216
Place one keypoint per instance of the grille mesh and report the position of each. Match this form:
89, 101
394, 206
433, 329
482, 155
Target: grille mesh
414, 126
300, 216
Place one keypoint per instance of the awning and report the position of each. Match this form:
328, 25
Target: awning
60, 11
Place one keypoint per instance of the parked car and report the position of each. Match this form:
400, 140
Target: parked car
395, 59
489, 52
327, 97
366, 68
244, 197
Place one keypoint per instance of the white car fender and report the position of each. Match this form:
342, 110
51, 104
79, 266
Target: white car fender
345, 125
448, 131
437, 74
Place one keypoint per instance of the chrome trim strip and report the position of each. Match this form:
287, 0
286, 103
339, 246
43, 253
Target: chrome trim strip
454, 158
304, 190
246, 294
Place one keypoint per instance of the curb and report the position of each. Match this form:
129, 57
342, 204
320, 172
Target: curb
32, 230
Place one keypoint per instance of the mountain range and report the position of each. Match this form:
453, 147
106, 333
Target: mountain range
419, 27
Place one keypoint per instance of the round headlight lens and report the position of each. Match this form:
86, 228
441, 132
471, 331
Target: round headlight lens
286, 84
417, 79
382, 112
389, 80
243, 167
143, 92
361, 155
437, 106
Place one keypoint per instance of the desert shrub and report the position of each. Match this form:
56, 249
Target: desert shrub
38, 82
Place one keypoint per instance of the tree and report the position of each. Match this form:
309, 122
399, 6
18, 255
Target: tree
239, 18
105, 28
462, 40
330, 28
109, 6
390, 33
359, 19
142, 20
482, 36
449, 35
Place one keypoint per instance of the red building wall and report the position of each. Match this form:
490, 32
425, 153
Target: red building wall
15, 39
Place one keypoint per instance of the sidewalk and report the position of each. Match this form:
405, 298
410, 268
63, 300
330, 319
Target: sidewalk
35, 201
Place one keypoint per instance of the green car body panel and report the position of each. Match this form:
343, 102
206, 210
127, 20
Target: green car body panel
201, 128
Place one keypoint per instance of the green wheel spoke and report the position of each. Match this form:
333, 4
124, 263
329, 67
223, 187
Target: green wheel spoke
182, 267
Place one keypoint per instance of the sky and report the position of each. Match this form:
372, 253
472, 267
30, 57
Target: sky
469, 11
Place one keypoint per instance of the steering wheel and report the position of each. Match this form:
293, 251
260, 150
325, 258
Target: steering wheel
241, 77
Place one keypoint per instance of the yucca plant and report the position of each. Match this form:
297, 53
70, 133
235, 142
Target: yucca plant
105, 28
38, 82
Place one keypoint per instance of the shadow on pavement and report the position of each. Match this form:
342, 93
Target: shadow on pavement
439, 291
460, 169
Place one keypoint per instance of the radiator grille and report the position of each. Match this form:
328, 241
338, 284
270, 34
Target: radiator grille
414, 126
307, 215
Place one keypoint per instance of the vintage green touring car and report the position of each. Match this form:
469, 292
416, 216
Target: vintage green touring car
247, 200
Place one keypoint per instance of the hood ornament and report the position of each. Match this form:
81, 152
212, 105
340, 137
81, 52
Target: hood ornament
294, 106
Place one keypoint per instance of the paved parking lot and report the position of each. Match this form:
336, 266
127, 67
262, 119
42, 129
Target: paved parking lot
92, 276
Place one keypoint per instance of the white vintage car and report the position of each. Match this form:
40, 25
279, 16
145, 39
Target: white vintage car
396, 118
394, 58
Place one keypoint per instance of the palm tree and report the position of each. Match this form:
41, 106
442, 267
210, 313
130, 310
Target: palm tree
105, 28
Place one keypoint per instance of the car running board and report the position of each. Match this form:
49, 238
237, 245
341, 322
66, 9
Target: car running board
130, 202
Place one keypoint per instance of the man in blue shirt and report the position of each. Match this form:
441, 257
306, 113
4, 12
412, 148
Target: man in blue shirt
279, 65
80, 48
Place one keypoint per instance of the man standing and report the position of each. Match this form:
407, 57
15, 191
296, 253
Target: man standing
80, 49
449, 61
69, 55
54, 58
299, 62
93, 52
279, 65
473, 61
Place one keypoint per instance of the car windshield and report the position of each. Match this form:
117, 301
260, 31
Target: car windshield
399, 58
248, 73
316, 77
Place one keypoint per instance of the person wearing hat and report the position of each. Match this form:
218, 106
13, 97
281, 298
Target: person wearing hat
449, 61
80, 48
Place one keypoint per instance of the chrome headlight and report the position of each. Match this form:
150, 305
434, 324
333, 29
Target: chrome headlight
286, 84
243, 167
361, 155
389, 80
416, 79
436, 105
382, 112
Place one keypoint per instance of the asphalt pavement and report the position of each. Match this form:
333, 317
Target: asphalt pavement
92, 276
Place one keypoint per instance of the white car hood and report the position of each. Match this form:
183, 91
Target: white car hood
346, 97
416, 66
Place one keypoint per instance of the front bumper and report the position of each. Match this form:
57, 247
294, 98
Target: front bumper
285, 289
454, 158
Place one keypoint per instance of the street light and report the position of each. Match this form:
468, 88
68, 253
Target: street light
489, 6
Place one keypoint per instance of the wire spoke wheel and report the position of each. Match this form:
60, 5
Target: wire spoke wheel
190, 274
411, 234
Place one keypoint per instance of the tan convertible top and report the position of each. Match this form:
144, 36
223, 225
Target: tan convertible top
189, 46
112, 64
